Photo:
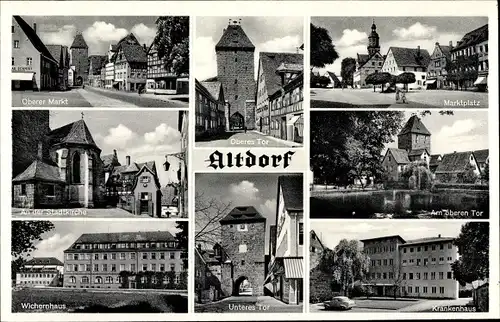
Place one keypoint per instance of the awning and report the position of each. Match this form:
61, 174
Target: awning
480, 81
294, 267
432, 81
23, 76
292, 120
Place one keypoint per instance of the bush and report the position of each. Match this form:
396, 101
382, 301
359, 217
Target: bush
358, 290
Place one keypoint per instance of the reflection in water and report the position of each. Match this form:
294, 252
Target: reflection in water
401, 204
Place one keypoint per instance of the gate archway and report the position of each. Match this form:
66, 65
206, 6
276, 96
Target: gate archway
242, 287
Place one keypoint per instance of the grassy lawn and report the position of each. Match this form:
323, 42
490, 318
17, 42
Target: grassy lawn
384, 304
83, 301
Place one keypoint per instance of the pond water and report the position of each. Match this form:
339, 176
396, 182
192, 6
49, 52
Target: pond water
400, 204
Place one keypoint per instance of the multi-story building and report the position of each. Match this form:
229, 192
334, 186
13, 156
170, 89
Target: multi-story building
286, 266
470, 60
161, 79
370, 63
96, 63
109, 68
275, 71
414, 268
61, 55
183, 127
131, 66
33, 67
414, 60
437, 70
210, 105
40, 271
235, 70
114, 260
208, 274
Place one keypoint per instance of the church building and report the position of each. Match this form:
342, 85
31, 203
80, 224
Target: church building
370, 63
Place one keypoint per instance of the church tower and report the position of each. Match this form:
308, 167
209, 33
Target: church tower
79, 57
373, 41
235, 70
414, 136
243, 240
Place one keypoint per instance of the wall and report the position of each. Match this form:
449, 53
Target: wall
154, 202
27, 201
80, 59
262, 107
25, 50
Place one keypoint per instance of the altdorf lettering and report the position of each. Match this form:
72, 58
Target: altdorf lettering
219, 160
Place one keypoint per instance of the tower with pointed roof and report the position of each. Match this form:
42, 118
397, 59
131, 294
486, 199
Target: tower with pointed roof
79, 58
373, 41
243, 240
235, 70
414, 136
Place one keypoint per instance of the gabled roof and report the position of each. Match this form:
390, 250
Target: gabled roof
110, 160
73, 133
455, 162
292, 188
315, 241
417, 152
290, 67
481, 155
39, 171
270, 63
414, 125
55, 52
333, 76
124, 237
213, 88
34, 39
79, 42
44, 261
410, 57
96, 61
473, 37
399, 155
134, 53
445, 50
362, 58
145, 168
234, 37
434, 161
242, 214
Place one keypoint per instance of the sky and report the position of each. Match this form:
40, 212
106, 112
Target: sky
331, 233
350, 34
65, 233
246, 189
98, 32
143, 135
271, 34
460, 132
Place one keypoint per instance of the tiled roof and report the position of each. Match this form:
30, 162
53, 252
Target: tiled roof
315, 241
79, 42
73, 133
33, 38
213, 88
44, 261
454, 162
400, 155
333, 76
55, 52
481, 155
234, 37
473, 37
97, 61
270, 62
427, 240
362, 58
292, 187
126, 237
417, 152
446, 50
211, 79
135, 167
434, 160
243, 214
134, 53
414, 125
110, 160
410, 57
40, 171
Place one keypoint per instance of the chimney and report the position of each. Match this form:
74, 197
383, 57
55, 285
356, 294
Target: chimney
34, 27
437, 43
439, 236
451, 43
40, 150
418, 51
127, 158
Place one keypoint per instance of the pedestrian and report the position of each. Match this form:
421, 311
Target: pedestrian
403, 97
397, 95
139, 89
245, 129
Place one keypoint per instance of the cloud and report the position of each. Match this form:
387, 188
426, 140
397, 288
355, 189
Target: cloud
458, 128
119, 136
283, 44
162, 134
245, 190
268, 209
59, 36
54, 245
415, 31
101, 31
352, 38
204, 55
144, 34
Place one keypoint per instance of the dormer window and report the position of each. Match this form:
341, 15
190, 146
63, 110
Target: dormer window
242, 227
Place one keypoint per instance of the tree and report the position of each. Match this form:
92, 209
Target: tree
172, 43
322, 49
469, 175
182, 237
347, 69
208, 212
319, 81
485, 175
406, 78
370, 79
336, 138
473, 247
419, 174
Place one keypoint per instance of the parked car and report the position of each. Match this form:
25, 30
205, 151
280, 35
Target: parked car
339, 303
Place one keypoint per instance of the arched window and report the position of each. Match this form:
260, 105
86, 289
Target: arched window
76, 167
109, 280
72, 280
98, 280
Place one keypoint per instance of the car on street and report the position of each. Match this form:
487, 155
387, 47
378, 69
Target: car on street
339, 303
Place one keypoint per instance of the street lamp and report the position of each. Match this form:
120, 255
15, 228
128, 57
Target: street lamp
166, 166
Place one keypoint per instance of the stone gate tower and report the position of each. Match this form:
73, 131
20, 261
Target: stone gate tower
79, 53
243, 240
235, 70
414, 136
